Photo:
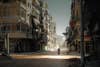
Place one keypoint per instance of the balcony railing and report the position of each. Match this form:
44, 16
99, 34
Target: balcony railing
11, 27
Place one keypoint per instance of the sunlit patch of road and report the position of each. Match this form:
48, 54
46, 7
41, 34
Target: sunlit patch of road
44, 56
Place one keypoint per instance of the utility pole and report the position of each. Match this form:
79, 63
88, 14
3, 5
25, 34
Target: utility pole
5, 46
6, 49
82, 34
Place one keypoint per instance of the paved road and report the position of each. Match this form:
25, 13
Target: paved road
37, 62
39, 59
44, 59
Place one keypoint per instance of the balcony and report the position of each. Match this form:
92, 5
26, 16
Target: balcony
36, 2
23, 6
36, 21
35, 10
19, 35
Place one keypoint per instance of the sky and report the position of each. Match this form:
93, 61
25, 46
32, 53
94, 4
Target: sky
60, 10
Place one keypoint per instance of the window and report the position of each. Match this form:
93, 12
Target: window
23, 28
1, 12
18, 27
5, 28
5, 11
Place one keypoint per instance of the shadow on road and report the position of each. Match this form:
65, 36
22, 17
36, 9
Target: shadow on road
2, 58
73, 62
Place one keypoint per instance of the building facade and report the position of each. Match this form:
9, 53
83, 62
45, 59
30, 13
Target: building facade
68, 37
23, 25
51, 35
13, 24
75, 25
92, 11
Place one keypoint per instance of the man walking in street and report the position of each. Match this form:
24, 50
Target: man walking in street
58, 51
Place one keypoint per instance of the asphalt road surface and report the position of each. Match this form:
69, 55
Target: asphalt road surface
37, 61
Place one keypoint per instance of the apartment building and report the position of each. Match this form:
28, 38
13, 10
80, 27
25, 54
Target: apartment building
24, 25
51, 44
75, 25
17, 20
